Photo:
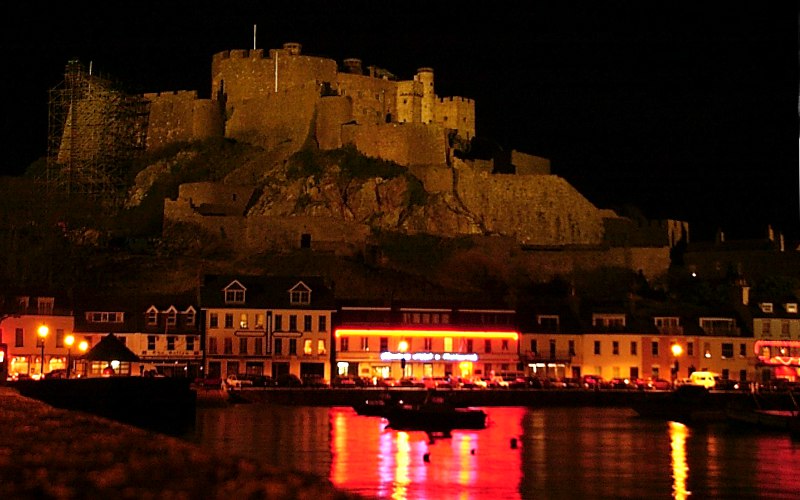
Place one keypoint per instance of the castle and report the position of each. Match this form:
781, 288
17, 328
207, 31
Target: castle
282, 98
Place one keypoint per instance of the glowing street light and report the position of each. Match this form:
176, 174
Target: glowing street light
68, 341
403, 347
677, 350
83, 347
42, 332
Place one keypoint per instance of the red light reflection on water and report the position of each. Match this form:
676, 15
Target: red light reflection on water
378, 462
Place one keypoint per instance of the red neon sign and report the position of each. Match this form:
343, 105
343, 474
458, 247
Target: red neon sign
386, 332
780, 360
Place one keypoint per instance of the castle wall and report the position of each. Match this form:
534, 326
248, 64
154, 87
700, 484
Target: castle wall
265, 233
242, 75
374, 99
181, 116
435, 178
409, 101
540, 210
332, 114
456, 113
526, 164
274, 119
198, 194
544, 265
406, 144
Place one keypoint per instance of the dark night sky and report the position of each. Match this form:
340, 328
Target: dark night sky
683, 109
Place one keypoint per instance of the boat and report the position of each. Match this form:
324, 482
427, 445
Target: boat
377, 407
434, 415
783, 418
687, 404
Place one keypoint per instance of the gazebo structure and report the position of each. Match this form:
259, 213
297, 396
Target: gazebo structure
110, 357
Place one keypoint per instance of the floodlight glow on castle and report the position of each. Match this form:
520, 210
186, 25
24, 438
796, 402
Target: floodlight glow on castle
385, 332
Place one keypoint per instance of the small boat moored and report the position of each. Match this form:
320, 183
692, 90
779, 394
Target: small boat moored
434, 415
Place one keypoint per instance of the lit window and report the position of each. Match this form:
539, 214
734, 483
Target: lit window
321, 349
365, 343
791, 307
307, 347
243, 320
259, 321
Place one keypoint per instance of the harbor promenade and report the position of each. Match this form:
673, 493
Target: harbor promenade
46, 452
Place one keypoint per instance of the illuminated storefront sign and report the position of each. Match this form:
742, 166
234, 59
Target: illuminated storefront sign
429, 356
778, 352
377, 332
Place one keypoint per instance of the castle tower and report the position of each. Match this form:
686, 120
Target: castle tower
353, 65
425, 76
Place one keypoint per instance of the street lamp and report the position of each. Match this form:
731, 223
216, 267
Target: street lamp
83, 347
69, 340
677, 350
42, 331
403, 347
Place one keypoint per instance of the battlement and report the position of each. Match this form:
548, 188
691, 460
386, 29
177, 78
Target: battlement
456, 99
188, 94
239, 54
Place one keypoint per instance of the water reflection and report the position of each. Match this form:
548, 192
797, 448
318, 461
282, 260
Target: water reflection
680, 470
562, 453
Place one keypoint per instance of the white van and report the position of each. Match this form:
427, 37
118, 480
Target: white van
706, 379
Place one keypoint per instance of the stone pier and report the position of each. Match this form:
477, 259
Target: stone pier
47, 452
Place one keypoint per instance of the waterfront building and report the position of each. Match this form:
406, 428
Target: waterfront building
776, 329
163, 331
426, 341
23, 317
267, 325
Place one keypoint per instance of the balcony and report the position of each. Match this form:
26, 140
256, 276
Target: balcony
559, 356
670, 330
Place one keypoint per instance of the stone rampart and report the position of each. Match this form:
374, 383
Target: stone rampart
456, 113
198, 194
526, 164
537, 210
268, 233
275, 119
181, 116
406, 144
332, 114
544, 264
374, 99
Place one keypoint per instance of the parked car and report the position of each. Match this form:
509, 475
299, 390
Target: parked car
659, 384
315, 381
411, 382
288, 380
497, 382
233, 381
619, 383
261, 380
592, 381
59, 373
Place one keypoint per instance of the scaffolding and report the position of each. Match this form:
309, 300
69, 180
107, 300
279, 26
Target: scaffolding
94, 132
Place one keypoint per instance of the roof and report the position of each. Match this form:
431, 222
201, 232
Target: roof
110, 348
266, 292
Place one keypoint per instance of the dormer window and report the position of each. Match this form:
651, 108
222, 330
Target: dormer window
300, 294
791, 307
152, 316
234, 293
766, 307
190, 314
172, 316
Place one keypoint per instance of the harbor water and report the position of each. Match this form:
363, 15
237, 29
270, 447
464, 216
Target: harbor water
523, 453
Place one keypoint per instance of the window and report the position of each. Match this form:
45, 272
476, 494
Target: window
278, 322
766, 307
549, 323
190, 343
323, 323
19, 337
258, 349
243, 346
152, 317
300, 294
292, 323
213, 320
172, 318
487, 346
654, 348
234, 295
228, 320
766, 327
534, 346
785, 328
365, 343
427, 343
259, 323
321, 349
243, 320
448, 344
743, 350
227, 347
190, 317
307, 323
571, 347
292, 347
470, 347
791, 307
615, 348
690, 348
344, 344
384, 347
279, 346
634, 348
212, 345
307, 347
504, 344
44, 305
104, 317
552, 348
170, 342
60, 337
151, 342
727, 350
597, 347
743, 375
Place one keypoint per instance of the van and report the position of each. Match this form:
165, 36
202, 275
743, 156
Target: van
706, 379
